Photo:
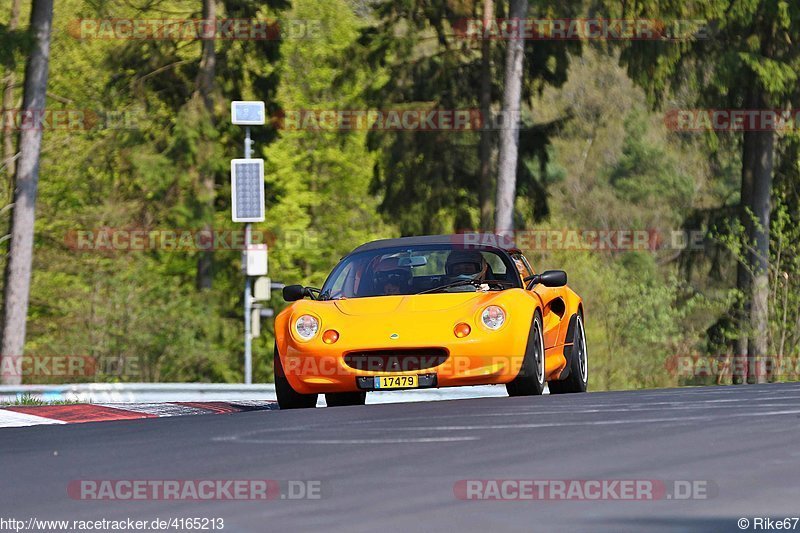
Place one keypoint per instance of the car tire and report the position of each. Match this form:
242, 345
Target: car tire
343, 399
578, 377
531, 379
288, 398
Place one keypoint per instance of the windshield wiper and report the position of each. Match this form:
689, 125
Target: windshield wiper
473, 281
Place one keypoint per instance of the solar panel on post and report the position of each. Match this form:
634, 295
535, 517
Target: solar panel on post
247, 113
247, 205
247, 190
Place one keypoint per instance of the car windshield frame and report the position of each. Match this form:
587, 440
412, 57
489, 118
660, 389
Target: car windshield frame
510, 279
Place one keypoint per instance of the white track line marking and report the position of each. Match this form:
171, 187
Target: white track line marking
410, 440
633, 409
251, 436
13, 419
605, 422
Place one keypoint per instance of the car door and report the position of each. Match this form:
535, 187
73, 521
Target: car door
552, 298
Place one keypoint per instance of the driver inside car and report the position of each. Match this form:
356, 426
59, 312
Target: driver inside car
390, 289
466, 263
393, 282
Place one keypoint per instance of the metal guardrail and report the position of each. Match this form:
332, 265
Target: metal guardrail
187, 392
140, 392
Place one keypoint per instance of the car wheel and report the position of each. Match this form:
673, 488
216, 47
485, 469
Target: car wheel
578, 376
530, 380
288, 398
342, 399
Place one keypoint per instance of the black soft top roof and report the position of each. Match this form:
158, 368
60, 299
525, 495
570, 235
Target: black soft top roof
471, 241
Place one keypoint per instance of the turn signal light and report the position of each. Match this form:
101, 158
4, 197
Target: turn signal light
462, 330
330, 336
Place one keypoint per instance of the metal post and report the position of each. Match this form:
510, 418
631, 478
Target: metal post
248, 306
248, 290
247, 143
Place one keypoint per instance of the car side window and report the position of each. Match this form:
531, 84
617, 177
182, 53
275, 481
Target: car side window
495, 263
523, 267
344, 281
527, 265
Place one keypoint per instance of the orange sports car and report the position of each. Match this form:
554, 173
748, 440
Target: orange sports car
435, 311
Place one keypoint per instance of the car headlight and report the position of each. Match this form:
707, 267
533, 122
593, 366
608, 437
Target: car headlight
493, 317
306, 326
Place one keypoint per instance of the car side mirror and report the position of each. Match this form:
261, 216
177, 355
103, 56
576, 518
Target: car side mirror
292, 293
548, 278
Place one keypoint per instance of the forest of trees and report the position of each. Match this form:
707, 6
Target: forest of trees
596, 148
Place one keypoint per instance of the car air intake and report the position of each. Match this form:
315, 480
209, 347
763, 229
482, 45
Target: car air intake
396, 360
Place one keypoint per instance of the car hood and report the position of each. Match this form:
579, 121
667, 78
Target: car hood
418, 302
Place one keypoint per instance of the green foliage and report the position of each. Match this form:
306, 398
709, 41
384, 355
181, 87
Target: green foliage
645, 174
318, 201
431, 66
594, 156
144, 173
27, 399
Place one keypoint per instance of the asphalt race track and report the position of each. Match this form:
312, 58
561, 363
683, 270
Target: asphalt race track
394, 467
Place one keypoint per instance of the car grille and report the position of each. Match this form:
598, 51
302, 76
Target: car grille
396, 360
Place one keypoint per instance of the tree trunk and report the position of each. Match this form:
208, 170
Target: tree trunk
208, 61
763, 147
485, 179
20, 256
205, 89
744, 266
9, 79
509, 132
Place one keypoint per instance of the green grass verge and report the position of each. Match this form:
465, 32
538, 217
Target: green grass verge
27, 399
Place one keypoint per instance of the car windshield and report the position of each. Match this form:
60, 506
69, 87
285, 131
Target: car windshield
420, 268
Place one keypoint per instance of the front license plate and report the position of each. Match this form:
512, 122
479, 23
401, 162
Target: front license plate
396, 382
